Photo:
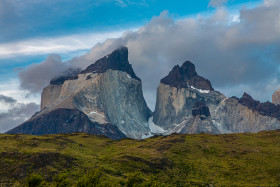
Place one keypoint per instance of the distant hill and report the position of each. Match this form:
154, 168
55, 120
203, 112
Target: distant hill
80, 159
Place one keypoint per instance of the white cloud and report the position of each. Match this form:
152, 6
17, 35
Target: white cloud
62, 44
19, 107
230, 50
11, 88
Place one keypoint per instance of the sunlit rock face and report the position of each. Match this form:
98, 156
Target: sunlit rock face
276, 97
107, 92
176, 97
178, 94
232, 115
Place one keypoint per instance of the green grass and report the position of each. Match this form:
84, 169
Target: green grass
177, 160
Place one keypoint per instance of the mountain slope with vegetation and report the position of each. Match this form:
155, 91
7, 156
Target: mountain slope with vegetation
79, 159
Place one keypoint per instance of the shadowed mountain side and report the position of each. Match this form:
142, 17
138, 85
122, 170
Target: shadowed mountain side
66, 121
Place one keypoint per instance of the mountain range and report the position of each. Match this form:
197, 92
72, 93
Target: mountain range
107, 99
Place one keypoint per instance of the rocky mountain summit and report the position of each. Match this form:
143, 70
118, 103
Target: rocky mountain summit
64, 120
187, 103
177, 95
108, 93
106, 99
200, 121
185, 77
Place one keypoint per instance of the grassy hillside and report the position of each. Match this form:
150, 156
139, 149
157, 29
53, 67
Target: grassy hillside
176, 160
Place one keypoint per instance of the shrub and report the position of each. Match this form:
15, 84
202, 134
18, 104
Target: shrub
90, 179
133, 179
35, 180
60, 180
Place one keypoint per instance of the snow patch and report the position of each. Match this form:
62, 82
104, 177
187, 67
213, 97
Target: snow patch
154, 128
94, 112
144, 136
201, 91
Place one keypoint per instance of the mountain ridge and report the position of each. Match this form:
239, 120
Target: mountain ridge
108, 96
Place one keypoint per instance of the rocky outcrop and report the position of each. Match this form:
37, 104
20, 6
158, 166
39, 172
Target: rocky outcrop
201, 110
265, 109
200, 121
66, 121
108, 92
231, 116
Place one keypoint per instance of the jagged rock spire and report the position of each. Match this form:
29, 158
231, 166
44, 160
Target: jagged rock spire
185, 77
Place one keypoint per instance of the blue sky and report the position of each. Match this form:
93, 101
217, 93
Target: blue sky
34, 19
234, 43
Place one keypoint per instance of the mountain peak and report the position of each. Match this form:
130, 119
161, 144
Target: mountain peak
248, 101
117, 60
185, 77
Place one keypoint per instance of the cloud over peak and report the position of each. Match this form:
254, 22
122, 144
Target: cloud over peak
229, 53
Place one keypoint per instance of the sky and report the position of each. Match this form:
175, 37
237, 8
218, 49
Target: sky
233, 43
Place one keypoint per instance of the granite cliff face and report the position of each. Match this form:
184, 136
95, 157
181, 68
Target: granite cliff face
107, 92
176, 97
183, 97
233, 116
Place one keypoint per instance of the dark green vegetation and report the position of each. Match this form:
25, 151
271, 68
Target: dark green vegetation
176, 160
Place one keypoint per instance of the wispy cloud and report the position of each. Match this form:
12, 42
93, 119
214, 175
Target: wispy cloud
125, 3
50, 45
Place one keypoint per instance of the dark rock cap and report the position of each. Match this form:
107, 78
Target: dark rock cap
70, 74
265, 109
199, 108
117, 60
186, 76
248, 101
